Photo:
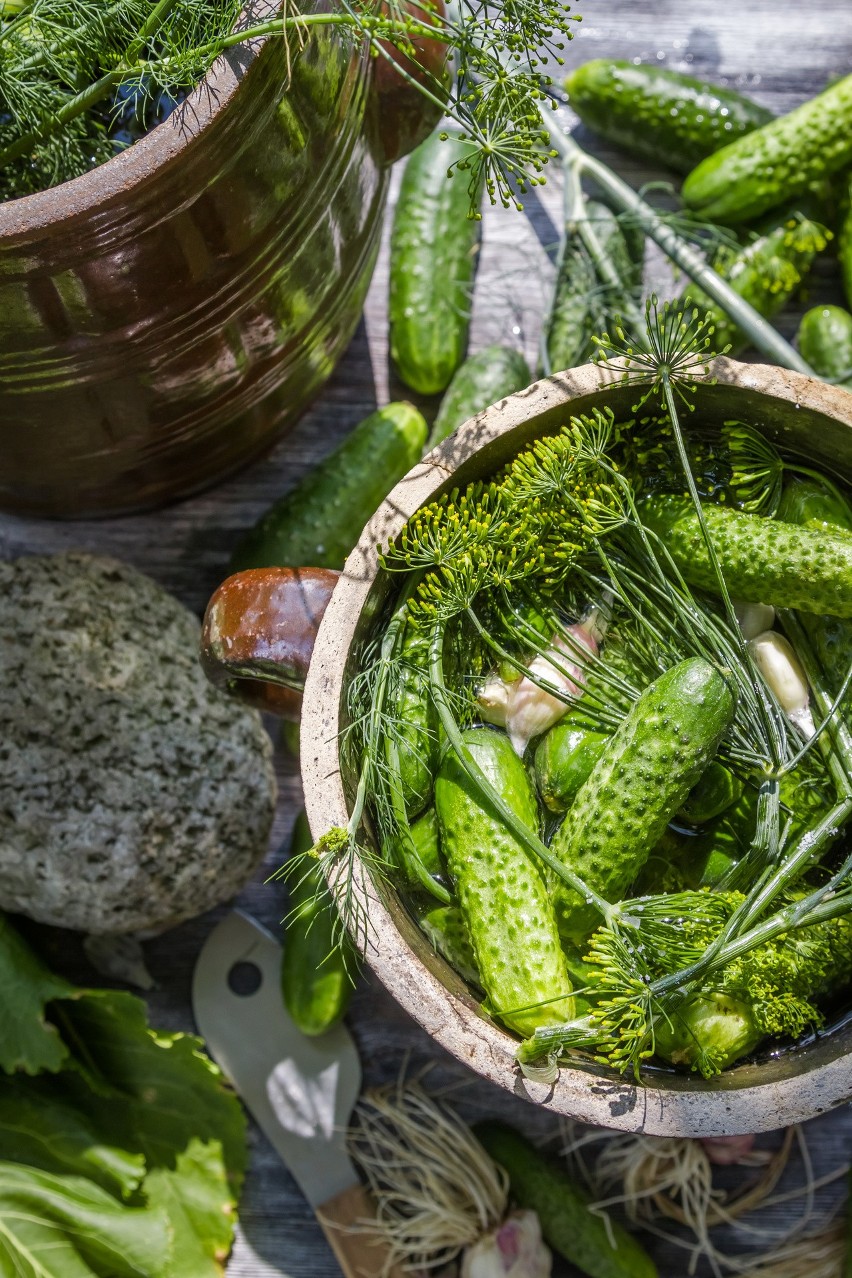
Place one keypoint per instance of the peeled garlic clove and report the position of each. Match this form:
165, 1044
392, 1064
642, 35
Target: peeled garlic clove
782, 670
754, 618
727, 1150
532, 710
514, 1249
493, 700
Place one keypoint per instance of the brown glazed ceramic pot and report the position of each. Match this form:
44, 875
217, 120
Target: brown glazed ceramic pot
245, 638
166, 315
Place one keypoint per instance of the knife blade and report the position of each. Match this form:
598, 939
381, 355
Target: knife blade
300, 1090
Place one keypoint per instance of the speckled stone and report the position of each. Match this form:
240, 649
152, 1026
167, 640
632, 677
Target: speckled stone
133, 795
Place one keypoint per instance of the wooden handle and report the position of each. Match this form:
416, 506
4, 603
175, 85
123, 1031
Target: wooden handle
360, 1251
259, 632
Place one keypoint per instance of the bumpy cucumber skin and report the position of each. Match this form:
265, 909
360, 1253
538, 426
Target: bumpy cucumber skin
662, 115
446, 929
584, 1238
582, 304
483, 379
651, 763
564, 759
417, 721
762, 559
825, 342
315, 981
317, 523
432, 265
777, 162
502, 895
766, 273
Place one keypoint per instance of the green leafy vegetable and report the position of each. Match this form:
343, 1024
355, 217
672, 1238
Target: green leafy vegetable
121, 1144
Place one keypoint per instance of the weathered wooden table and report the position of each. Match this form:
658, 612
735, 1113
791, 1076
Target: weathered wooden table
776, 50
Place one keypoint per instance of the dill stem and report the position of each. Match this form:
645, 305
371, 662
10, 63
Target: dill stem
810, 845
577, 215
678, 250
770, 724
839, 758
527, 837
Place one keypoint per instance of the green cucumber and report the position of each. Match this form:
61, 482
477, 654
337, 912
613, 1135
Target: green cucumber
598, 1246
777, 162
564, 759
764, 560
483, 379
501, 892
658, 113
767, 272
825, 342
716, 790
446, 929
584, 305
416, 733
690, 1028
317, 523
426, 842
433, 254
318, 960
650, 764
815, 503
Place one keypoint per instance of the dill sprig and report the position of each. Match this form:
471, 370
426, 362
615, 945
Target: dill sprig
63, 61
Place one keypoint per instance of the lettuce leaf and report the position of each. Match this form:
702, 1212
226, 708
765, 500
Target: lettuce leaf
115, 1139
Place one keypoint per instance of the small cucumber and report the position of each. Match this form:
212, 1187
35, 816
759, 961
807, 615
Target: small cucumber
598, 1246
816, 504
564, 759
445, 927
501, 893
483, 379
764, 560
318, 522
766, 273
426, 841
714, 792
650, 764
693, 1028
433, 255
825, 342
777, 162
417, 722
584, 305
316, 968
667, 117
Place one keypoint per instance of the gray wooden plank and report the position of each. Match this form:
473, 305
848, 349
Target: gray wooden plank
772, 49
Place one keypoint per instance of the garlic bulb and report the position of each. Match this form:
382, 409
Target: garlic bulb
523, 708
514, 1249
754, 618
781, 669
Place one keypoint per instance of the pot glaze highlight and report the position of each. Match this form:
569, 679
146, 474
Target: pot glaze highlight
165, 316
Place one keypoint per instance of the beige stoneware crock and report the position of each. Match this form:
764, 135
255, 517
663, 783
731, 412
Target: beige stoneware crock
244, 642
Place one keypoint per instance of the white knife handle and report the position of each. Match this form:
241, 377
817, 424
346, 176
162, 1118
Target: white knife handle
361, 1251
